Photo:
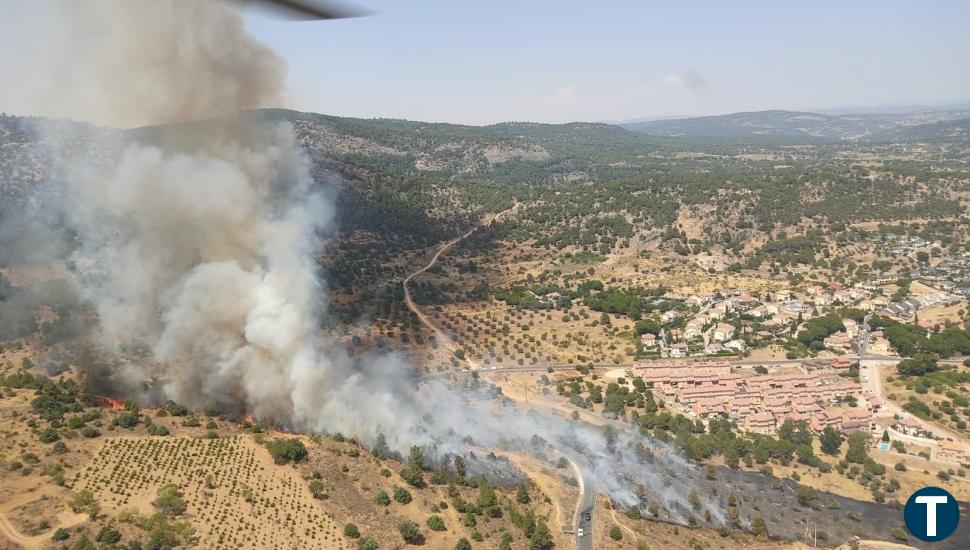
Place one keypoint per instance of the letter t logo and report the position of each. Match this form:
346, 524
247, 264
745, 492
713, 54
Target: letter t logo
931, 502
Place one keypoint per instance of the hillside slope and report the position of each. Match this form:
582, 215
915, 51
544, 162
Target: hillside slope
795, 126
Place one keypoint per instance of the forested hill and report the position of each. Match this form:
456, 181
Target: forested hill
416, 178
944, 131
803, 127
508, 150
585, 184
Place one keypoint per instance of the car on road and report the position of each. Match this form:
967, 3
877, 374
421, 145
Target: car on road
579, 532
589, 517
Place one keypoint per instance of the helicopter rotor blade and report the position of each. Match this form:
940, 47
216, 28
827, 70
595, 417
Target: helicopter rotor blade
311, 9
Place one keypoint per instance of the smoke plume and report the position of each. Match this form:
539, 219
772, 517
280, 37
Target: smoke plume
133, 63
198, 242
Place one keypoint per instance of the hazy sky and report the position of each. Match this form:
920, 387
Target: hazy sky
479, 61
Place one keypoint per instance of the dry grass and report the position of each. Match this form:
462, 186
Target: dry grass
236, 496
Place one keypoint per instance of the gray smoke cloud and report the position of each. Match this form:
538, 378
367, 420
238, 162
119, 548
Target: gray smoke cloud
198, 241
137, 62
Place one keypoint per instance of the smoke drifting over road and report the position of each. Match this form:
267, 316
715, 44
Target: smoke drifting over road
200, 242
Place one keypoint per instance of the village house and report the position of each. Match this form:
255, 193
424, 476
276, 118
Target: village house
856, 420
689, 396
722, 308
723, 332
840, 341
735, 345
713, 349
781, 320
909, 426
694, 329
851, 328
841, 364
844, 297
781, 295
679, 350
670, 316
648, 340
758, 313
872, 402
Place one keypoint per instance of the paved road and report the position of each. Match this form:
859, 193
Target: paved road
882, 359
586, 505
864, 337
871, 371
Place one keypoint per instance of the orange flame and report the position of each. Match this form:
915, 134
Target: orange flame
114, 403
249, 419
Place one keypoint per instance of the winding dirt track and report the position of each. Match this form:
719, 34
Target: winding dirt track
440, 335
66, 520
587, 495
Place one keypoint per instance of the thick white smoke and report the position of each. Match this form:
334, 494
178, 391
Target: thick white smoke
199, 242
208, 257
203, 242
202, 237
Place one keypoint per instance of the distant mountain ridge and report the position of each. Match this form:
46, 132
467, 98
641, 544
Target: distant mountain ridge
808, 127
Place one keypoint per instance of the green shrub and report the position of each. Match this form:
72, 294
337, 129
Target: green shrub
286, 450
170, 501
435, 523
410, 532
402, 495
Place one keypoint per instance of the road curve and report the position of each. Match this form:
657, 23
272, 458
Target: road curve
440, 336
66, 520
586, 504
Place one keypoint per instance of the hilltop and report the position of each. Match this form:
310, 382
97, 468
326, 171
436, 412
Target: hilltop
806, 127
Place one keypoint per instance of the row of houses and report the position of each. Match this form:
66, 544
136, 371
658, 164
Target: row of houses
913, 304
761, 403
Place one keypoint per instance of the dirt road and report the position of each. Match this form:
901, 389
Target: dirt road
586, 505
65, 520
442, 338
